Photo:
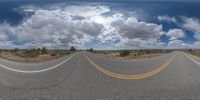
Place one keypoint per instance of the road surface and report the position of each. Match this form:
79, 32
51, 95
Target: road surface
86, 76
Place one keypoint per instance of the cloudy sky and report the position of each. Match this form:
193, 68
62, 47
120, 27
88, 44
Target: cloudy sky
100, 25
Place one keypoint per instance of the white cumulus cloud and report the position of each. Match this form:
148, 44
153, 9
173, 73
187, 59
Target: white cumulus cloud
167, 19
178, 44
57, 27
175, 34
79, 25
192, 24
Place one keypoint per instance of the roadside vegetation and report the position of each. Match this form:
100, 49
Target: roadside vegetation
35, 54
134, 54
124, 53
90, 50
195, 52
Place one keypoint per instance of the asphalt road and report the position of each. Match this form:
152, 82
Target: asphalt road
85, 76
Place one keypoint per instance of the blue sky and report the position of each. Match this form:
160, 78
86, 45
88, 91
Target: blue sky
100, 24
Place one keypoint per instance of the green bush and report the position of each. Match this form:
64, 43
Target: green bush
124, 53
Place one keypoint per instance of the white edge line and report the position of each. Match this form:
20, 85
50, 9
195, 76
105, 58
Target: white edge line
37, 71
192, 59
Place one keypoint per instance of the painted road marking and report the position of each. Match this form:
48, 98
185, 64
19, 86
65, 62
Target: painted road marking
130, 77
192, 59
37, 71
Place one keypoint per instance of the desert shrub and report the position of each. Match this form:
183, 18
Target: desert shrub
28, 53
147, 51
38, 50
190, 50
32, 55
63, 53
67, 52
124, 53
140, 52
17, 54
53, 54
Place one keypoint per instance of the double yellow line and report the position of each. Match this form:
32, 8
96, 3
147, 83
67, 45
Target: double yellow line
130, 77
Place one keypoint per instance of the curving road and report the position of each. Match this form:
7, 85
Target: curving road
86, 76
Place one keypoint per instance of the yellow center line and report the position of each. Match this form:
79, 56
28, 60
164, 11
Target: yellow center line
130, 77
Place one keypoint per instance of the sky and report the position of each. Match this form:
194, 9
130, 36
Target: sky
106, 0
100, 24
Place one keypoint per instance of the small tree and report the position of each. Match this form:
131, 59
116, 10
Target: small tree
91, 49
72, 48
124, 53
44, 50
